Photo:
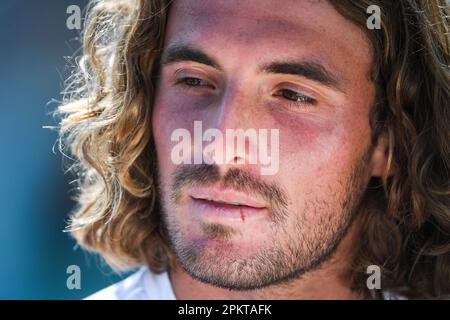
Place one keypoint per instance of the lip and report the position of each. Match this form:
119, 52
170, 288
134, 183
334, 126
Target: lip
226, 196
216, 205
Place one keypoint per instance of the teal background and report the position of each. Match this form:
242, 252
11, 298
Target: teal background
34, 191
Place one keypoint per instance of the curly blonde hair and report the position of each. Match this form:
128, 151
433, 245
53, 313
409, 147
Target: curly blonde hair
106, 123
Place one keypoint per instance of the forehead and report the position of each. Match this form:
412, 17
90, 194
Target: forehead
262, 30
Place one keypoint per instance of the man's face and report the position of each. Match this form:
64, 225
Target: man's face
295, 66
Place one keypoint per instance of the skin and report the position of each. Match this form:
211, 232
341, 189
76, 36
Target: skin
321, 143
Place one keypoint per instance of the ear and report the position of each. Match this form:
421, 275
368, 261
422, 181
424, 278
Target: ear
381, 163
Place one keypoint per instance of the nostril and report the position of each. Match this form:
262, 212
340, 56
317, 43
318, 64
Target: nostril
238, 160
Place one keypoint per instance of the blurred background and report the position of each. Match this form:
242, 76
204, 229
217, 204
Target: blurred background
34, 191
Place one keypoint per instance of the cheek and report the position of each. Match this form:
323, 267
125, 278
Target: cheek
173, 111
159, 129
164, 122
166, 117
169, 114
320, 155
309, 146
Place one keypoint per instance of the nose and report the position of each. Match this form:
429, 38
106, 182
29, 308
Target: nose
232, 117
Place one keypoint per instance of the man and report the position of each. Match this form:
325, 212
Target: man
352, 119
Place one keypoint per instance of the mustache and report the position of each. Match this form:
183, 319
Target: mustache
234, 178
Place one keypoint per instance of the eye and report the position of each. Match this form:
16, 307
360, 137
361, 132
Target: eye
295, 97
193, 82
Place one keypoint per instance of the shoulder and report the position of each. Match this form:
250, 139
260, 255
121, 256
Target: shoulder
141, 285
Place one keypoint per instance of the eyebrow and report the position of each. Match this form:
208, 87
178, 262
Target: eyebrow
311, 70
308, 69
178, 53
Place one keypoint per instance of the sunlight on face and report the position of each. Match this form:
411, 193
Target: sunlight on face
300, 68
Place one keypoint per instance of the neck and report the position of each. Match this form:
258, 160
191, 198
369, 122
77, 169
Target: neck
329, 281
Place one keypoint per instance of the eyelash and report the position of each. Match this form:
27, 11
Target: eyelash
284, 93
300, 98
183, 82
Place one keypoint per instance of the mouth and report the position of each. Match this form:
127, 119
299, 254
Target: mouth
225, 205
